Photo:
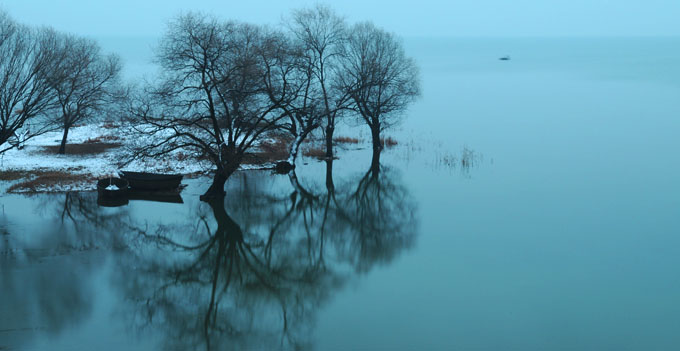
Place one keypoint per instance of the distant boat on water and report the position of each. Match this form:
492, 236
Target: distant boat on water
505, 58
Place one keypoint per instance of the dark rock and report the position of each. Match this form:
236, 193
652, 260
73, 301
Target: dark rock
283, 167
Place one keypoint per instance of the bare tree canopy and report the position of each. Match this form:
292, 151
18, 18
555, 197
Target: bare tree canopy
216, 96
84, 83
227, 85
26, 58
321, 34
381, 79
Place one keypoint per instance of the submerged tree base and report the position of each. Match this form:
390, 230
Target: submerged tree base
216, 189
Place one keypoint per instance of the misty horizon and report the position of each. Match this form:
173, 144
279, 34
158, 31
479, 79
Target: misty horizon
429, 18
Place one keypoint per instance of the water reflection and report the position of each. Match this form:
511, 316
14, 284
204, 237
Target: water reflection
251, 271
46, 269
382, 218
248, 272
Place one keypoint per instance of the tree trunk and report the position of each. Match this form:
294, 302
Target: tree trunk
375, 134
329, 176
293, 152
329, 141
295, 146
226, 226
375, 163
216, 189
230, 163
62, 146
294, 149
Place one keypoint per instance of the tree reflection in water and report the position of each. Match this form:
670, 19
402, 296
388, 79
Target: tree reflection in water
382, 217
253, 274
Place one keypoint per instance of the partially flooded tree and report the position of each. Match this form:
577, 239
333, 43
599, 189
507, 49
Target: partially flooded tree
381, 80
212, 98
320, 34
26, 58
84, 83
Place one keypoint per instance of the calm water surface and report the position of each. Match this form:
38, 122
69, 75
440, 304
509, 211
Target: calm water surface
561, 232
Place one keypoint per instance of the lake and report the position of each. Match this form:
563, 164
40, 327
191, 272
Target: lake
531, 204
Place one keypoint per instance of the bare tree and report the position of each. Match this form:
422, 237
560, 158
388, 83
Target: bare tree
85, 82
321, 34
304, 110
26, 57
380, 78
288, 75
213, 98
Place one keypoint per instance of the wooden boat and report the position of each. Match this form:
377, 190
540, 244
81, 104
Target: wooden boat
110, 188
152, 181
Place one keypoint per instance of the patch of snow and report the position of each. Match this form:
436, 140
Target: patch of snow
35, 159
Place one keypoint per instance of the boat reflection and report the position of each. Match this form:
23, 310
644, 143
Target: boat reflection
172, 196
249, 272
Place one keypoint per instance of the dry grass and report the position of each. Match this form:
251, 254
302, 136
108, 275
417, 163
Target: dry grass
46, 180
270, 151
448, 160
13, 174
388, 142
346, 140
194, 175
101, 139
314, 152
110, 125
467, 160
89, 147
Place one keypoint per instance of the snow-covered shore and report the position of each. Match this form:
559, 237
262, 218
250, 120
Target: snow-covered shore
35, 159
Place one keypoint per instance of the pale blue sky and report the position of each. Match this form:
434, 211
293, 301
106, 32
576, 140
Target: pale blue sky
406, 17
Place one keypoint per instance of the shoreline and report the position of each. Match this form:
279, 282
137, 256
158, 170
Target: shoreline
95, 151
